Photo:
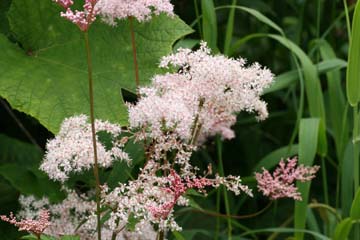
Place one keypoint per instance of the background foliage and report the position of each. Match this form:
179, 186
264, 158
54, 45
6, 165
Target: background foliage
305, 43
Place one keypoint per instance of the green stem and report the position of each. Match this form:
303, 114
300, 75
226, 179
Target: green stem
93, 133
328, 208
247, 216
160, 235
221, 172
324, 179
197, 17
347, 19
218, 199
133, 44
113, 236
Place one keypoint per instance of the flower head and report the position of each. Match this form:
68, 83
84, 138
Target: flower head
152, 198
142, 10
83, 19
281, 184
201, 99
75, 215
72, 150
36, 227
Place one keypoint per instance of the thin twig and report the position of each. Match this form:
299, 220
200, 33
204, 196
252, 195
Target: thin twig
215, 214
19, 123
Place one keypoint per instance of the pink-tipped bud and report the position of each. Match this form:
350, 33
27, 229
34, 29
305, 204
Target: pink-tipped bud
65, 3
36, 227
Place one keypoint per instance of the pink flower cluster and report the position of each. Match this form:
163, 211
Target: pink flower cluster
152, 198
139, 9
83, 19
177, 188
181, 109
36, 227
202, 98
281, 184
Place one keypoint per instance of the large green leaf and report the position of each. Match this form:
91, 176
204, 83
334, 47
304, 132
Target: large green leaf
4, 24
19, 164
49, 79
17, 152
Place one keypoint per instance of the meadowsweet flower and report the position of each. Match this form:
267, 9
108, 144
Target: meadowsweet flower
142, 10
83, 19
180, 110
36, 227
72, 150
152, 198
66, 216
281, 184
75, 216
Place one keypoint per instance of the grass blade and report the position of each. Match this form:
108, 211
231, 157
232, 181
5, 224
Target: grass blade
258, 15
346, 167
353, 70
336, 99
273, 158
342, 230
209, 24
286, 230
308, 141
229, 28
289, 78
355, 207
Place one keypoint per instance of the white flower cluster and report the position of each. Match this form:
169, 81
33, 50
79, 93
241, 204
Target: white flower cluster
65, 216
142, 10
75, 215
72, 149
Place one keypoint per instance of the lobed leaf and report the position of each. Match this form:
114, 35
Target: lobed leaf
48, 77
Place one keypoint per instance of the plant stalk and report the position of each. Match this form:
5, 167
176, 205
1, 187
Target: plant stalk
324, 180
93, 133
217, 229
221, 172
133, 44
160, 235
